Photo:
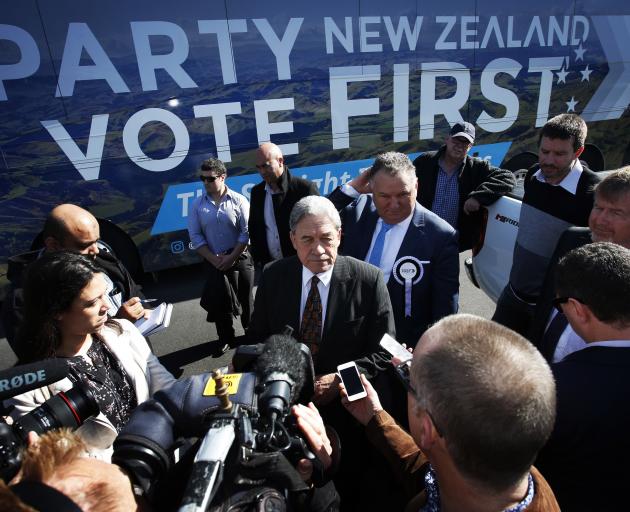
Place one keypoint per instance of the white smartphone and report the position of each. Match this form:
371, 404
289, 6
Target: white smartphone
395, 348
351, 380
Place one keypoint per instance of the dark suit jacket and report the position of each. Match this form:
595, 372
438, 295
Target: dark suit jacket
358, 312
571, 239
293, 189
428, 238
477, 178
585, 460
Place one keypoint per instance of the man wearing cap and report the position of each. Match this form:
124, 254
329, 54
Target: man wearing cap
454, 185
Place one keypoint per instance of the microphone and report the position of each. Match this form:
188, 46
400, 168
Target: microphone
19, 379
281, 374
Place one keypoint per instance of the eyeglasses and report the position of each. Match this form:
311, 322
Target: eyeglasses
558, 301
209, 179
416, 396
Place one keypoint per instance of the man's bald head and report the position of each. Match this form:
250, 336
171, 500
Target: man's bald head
70, 227
270, 163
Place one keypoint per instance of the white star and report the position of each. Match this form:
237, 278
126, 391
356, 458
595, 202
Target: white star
579, 53
571, 104
586, 73
562, 75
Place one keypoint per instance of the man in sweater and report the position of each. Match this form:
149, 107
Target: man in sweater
454, 185
558, 195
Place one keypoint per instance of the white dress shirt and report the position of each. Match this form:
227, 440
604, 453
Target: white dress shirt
323, 287
570, 181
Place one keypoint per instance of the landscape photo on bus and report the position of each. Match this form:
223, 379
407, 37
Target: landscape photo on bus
113, 105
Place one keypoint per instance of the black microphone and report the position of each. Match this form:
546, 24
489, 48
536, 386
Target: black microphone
19, 379
281, 373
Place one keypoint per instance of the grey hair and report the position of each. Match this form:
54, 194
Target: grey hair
314, 205
394, 164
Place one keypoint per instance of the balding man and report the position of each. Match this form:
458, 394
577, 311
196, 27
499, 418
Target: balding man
70, 227
481, 404
271, 203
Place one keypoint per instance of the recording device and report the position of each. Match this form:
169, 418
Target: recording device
352, 381
66, 409
249, 442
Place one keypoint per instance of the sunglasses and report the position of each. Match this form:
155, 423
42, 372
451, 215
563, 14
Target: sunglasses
558, 301
209, 179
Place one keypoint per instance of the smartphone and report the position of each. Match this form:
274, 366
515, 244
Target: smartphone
395, 348
350, 377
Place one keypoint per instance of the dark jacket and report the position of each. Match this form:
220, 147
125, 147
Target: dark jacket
293, 189
477, 178
12, 306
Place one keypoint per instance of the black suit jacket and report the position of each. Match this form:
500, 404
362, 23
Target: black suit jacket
358, 312
585, 459
293, 189
571, 239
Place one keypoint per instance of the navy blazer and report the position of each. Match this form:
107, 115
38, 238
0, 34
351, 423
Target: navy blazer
428, 238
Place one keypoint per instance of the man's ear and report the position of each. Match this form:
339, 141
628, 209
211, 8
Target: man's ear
52, 244
293, 240
579, 152
579, 311
428, 433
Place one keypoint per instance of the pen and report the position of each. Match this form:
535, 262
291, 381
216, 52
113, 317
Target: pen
147, 301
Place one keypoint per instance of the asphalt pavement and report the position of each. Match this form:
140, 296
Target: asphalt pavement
189, 346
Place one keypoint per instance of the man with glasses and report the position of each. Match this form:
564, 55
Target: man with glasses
584, 459
272, 202
71, 228
481, 405
609, 221
217, 226
455, 185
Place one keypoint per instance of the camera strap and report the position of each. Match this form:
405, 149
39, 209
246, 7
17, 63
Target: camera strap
43, 497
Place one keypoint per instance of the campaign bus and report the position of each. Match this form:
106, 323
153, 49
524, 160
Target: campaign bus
113, 105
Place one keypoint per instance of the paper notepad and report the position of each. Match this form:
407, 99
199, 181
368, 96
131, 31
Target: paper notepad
159, 319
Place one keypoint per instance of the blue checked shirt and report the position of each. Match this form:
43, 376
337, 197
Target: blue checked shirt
446, 201
219, 226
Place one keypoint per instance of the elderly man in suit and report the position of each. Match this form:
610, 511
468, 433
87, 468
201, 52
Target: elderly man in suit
416, 250
271, 203
339, 307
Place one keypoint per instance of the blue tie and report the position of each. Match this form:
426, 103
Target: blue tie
377, 250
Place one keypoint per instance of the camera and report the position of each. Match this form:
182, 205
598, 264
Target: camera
66, 409
249, 443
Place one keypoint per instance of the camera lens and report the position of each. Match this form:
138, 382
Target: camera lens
66, 409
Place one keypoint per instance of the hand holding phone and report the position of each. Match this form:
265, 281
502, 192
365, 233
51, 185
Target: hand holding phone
395, 348
349, 375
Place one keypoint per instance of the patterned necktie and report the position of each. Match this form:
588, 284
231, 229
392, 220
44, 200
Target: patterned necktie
379, 244
311, 326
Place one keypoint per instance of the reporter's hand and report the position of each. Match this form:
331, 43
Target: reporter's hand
363, 409
312, 426
326, 389
131, 310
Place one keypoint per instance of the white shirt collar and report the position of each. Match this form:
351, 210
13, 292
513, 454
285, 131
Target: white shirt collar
570, 181
324, 277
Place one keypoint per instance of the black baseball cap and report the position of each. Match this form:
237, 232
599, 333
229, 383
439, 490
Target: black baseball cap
465, 130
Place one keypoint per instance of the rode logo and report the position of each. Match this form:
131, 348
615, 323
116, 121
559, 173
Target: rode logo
506, 220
